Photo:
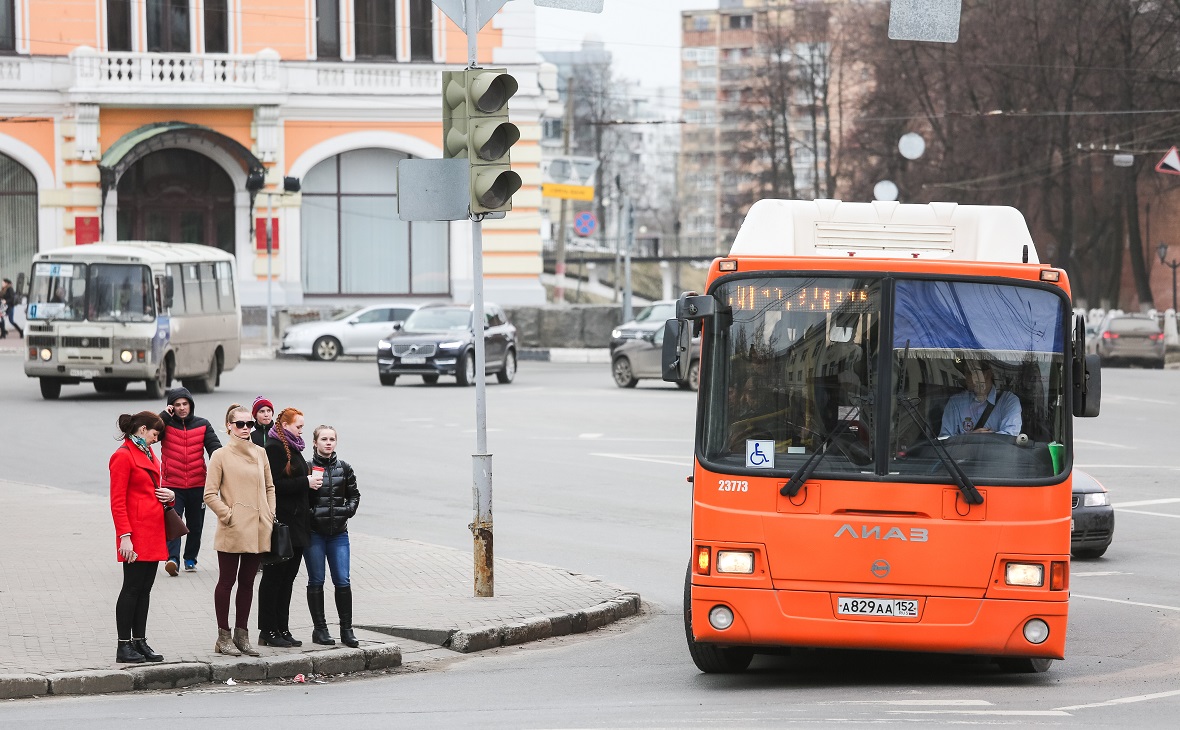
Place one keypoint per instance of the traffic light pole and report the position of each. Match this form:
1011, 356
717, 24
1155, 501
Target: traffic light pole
481, 460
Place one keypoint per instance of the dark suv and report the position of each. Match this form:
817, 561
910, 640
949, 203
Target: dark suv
437, 339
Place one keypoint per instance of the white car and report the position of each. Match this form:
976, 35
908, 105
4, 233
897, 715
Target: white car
354, 333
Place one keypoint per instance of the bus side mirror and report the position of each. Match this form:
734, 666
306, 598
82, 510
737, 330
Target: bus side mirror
695, 307
169, 291
1087, 387
675, 358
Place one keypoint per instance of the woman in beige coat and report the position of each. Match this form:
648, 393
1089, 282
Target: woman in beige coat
240, 491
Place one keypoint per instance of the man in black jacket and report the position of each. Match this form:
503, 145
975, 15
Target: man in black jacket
8, 296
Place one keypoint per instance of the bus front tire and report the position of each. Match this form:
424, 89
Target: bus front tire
1024, 665
711, 659
50, 388
158, 386
208, 383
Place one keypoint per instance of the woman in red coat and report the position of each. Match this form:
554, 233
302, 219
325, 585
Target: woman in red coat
137, 505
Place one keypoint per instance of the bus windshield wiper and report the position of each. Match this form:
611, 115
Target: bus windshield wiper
795, 483
970, 493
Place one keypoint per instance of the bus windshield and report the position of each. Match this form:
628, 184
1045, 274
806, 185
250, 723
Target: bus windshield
796, 365
94, 292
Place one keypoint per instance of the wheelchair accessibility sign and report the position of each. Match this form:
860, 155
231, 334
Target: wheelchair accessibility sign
760, 454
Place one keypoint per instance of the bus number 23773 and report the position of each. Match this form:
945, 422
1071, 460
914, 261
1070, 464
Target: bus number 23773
732, 485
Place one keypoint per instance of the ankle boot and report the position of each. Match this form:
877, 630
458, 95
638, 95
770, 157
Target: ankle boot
315, 605
225, 644
273, 638
344, 611
127, 653
242, 641
142, 647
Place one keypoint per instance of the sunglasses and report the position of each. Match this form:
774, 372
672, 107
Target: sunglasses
242, 424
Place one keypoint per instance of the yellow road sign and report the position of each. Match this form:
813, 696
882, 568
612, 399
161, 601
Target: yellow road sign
567, 192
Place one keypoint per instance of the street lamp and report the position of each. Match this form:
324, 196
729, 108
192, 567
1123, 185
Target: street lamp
1162, 252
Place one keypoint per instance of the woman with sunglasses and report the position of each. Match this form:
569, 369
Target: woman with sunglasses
240, 491
293, 483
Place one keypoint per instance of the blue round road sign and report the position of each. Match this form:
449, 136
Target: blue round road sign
585, 223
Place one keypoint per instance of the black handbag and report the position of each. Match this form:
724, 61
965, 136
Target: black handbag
280, 545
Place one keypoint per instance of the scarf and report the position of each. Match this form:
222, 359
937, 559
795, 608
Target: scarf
296, 441
143, 446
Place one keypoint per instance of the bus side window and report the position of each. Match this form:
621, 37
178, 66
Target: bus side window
177, 288
225, 286
208, 288
192, 290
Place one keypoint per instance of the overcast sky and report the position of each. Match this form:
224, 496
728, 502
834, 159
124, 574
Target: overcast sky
642, 35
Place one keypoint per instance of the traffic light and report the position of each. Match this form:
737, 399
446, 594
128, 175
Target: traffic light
476, 127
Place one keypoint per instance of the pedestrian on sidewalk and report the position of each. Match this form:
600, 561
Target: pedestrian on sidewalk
137, 506
293, 482
240, 491
185, 441
332, 505
8, 297
264, 417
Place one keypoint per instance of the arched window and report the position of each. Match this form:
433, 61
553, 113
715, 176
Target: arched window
353, 241
18, 217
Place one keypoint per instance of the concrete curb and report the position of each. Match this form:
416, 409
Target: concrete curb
185, 674
479, 638
598, 355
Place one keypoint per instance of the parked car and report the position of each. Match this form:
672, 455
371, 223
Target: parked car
1092, 526
354, 333
1130, 338
638, 358
437, 340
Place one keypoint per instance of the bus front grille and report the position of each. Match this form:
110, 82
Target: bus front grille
101, 342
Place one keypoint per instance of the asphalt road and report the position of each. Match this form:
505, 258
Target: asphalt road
591, 478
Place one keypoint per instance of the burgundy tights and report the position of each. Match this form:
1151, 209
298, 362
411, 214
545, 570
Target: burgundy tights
243, 567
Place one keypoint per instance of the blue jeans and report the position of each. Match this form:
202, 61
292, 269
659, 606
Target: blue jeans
333, 549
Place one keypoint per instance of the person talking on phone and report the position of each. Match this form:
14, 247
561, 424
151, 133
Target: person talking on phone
137, 506
293, 484
182, 464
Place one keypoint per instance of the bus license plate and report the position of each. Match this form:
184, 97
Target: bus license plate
413, 361
83, 373
890, 607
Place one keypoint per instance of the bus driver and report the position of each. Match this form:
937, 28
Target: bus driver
981, 408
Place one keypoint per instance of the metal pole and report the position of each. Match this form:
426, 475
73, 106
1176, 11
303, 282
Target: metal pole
627, 313
481, 461
618, 238
559, 266
1174, 265
269, 249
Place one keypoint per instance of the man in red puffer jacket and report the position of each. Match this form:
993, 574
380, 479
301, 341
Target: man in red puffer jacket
185, 442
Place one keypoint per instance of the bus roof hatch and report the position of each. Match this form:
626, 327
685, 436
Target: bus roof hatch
884, 229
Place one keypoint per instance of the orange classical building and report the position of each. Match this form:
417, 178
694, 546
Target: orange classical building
178, 120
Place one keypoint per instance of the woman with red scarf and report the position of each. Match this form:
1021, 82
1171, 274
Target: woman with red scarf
137, 506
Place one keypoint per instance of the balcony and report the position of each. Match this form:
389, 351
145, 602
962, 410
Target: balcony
223, 78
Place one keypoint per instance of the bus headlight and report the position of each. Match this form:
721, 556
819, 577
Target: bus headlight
126, 355
732, 561
720, 618
46, 353
1024, 574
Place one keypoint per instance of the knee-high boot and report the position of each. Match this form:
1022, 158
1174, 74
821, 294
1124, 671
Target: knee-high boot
315, 605
344, 610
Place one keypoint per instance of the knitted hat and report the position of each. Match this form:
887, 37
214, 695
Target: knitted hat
260, 402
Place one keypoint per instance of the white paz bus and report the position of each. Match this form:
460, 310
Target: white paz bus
132, 311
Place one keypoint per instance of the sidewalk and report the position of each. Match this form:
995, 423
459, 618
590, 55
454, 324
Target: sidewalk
59, 581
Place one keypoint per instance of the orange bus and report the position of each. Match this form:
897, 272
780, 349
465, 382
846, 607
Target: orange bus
883, 436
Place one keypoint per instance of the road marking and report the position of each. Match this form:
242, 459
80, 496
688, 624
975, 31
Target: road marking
1128, 603
1123, 700
1118, 398
1102, 443
1004, 713
1093, 573
598, 436
921, 703
1145, 512
653, 458
1125, 466
1146, 502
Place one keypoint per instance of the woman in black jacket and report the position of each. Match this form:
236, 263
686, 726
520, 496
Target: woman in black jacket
331, 506
293, 483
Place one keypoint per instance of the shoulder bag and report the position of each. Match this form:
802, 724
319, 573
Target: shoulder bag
174, 527
280, 545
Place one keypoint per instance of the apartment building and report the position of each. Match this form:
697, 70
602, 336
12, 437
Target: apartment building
178, 120
739, 63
